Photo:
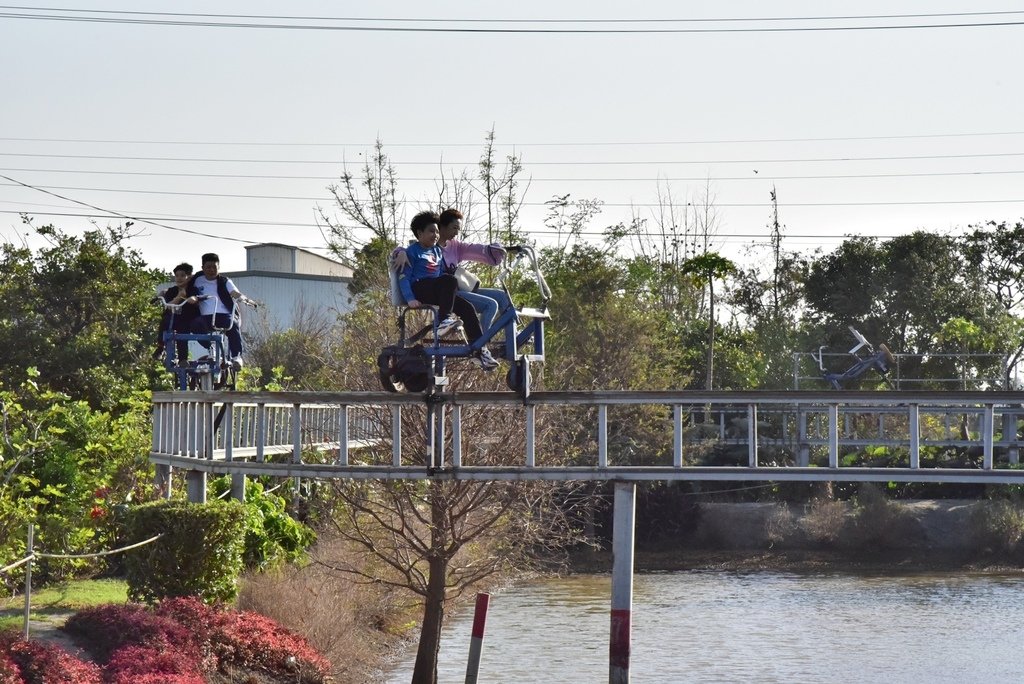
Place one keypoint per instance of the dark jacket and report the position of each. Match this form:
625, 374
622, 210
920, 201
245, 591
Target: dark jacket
222, 289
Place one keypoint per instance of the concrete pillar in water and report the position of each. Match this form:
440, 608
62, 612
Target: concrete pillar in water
622, 582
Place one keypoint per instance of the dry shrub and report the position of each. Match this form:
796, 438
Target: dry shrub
781, 528
880, 524
998, 526
824, 521
355, 625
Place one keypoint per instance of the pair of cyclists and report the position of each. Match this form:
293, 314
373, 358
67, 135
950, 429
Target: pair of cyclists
427, 270
206, 302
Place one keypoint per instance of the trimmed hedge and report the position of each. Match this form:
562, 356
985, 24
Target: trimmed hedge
199, 554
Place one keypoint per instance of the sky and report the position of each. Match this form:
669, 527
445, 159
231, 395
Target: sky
229, 135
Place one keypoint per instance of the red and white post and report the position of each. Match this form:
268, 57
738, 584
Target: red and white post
622, 582
476, 641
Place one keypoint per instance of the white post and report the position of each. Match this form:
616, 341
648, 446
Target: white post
28, 576
622, 582
602, 436
261, 431
833, 435
988, 436
396, 435
476, 640
752, 435
677, 436
915, 435
343, 436
456, 436
530, 445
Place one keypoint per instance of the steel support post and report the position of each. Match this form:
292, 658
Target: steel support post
833, 435
915, 435
803, 457
622, 582
162, 480
195, 485
988, 421
752, 435
1010, 437
238, 487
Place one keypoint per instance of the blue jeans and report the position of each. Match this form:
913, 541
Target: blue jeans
489, 302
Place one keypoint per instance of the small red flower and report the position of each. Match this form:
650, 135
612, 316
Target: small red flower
97, 512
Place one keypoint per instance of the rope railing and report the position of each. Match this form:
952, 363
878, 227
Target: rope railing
32, 555
97, 554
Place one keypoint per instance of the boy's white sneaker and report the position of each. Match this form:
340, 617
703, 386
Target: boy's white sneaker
484, 359
452, 322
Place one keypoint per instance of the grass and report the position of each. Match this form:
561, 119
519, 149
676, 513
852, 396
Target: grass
61, 599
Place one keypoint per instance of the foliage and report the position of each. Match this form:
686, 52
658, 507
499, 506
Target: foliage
10, 673
998, 526
199, 552
41, 663
78, 311
108, 628
183, 637
69, 469
271, 536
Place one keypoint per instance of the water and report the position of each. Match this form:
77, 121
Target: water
750, 627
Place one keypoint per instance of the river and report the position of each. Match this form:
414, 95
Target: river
715, 626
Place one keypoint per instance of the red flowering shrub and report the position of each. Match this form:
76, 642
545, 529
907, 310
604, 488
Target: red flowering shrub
247, 639
199, 618
183, 637
106, 629
132, 664
10, 673
40, 663
255, 641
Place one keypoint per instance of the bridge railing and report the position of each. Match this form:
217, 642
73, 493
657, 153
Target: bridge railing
707, 435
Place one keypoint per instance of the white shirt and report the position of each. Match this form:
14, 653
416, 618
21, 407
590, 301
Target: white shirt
212, 305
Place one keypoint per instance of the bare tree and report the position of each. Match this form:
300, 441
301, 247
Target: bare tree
502, 190
379, 211
434, 538
439, 539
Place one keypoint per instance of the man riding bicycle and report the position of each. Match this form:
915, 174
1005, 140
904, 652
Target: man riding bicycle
214, 295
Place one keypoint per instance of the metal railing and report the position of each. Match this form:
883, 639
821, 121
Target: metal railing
807, 375
846, 435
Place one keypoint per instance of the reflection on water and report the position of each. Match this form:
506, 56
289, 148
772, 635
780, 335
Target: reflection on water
751, 627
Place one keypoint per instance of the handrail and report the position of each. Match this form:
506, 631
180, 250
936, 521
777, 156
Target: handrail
801, 423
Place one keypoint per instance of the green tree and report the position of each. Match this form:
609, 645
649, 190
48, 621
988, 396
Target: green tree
78, 311
705, 269
901, 292
69, 469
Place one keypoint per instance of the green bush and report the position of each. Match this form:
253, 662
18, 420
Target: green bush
199, 554
271, 536
68, 469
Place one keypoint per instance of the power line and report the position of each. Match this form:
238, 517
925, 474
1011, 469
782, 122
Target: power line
634, 162
517, 21
610, 143
116, 214
491, 30
699, 179
529, 204
529, 231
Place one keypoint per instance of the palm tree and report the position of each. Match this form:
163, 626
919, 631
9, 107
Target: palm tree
704, 270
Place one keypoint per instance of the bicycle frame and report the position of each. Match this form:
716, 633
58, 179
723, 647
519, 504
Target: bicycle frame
880, 361
510, 321
214, 370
